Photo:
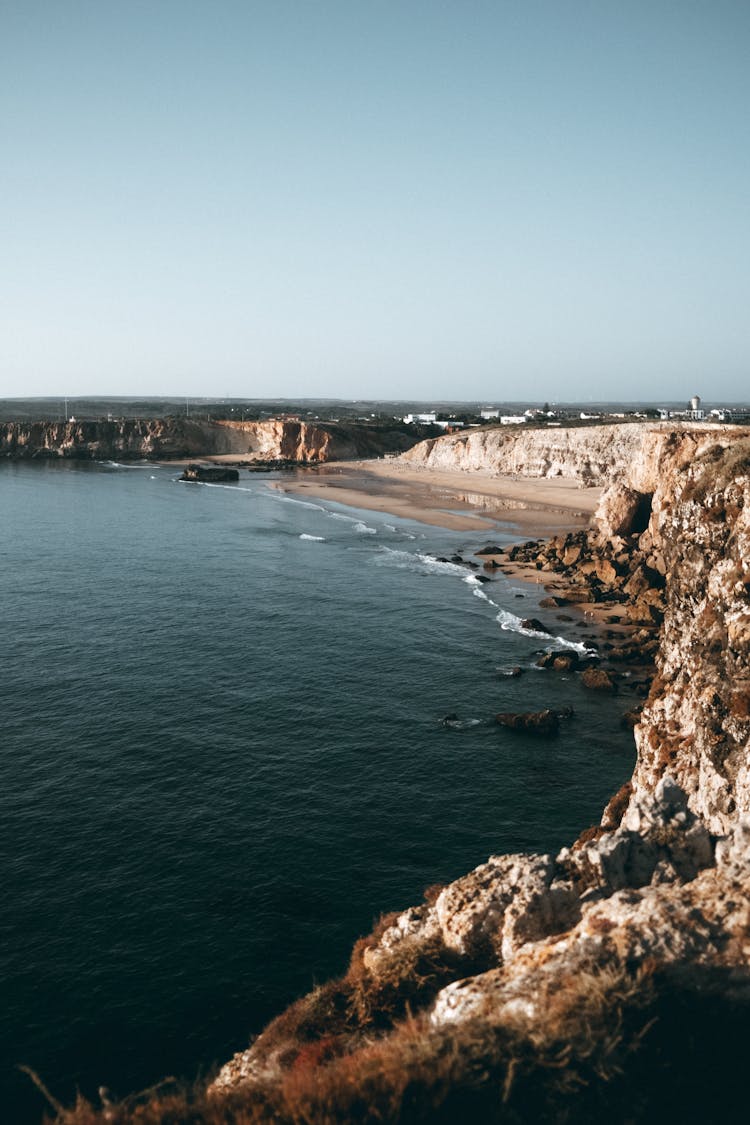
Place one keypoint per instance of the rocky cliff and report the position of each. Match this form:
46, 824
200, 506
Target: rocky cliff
593, 455
610, 981
164, 438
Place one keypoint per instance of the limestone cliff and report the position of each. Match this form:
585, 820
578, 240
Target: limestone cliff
696, 724
164, 438
594, 455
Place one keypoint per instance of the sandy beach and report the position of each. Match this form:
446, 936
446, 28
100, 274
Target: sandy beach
458, 500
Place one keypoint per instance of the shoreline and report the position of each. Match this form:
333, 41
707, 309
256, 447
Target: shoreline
459, 501
529, 508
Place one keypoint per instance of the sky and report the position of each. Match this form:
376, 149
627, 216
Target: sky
458, 199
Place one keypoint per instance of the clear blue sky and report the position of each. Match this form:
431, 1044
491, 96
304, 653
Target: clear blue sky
456, 198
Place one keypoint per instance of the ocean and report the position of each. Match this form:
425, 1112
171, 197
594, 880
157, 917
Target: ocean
222, 756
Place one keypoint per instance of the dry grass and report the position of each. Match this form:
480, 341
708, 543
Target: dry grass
613, 1045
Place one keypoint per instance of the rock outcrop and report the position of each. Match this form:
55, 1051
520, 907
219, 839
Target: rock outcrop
209, 474
276, 440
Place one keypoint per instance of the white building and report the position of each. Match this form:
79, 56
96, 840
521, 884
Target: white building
429, 419
489, 414
693, 413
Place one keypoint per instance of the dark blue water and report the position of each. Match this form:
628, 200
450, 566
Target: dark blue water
221, 757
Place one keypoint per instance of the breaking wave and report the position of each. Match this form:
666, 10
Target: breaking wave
513, 624
423, 564
120, 465
231, 487
477, 591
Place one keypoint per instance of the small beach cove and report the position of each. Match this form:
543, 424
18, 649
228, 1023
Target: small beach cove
503, 506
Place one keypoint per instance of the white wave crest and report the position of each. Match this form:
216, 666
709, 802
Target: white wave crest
313, 538
273, 494
512, 624
231, 487
119, 465
477, 591
363, 529
423, 564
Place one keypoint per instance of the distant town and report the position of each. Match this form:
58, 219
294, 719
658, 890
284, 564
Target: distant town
432, 417
566, 415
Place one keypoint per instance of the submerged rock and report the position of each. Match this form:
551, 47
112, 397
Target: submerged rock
545, 722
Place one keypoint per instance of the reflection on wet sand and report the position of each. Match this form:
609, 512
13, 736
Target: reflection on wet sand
538, 506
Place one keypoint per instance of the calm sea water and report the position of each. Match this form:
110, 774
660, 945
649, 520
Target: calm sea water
221, 757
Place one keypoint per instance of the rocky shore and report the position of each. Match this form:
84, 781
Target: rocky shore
610, 981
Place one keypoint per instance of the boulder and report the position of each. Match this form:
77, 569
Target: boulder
598, 680
571, 555
623, 511
606, 572
544, 723
534, 624
209, 474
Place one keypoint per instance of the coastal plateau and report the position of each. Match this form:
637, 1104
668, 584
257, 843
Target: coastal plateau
612, 980
277, 440
590, 455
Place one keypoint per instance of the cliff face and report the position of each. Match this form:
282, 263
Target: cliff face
164, 438
696, 725
526, 987
594, 455
149, 438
